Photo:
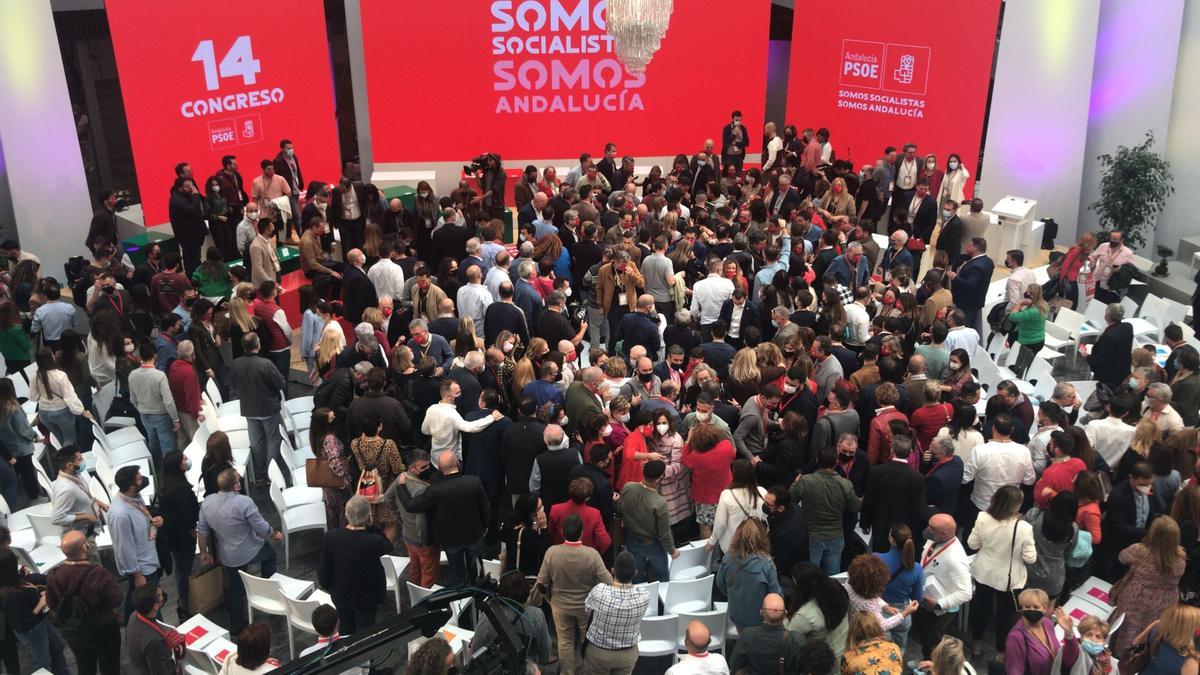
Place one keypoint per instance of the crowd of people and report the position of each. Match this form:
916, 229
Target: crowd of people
707, 354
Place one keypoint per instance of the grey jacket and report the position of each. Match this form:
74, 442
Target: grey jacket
414, 526
256, 381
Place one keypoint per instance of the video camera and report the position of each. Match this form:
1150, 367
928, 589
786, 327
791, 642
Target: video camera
480, 163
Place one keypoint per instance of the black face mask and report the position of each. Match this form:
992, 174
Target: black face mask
677, 366
1033, 615
426, 473
558, 376
927, 533
646, 377
109, 289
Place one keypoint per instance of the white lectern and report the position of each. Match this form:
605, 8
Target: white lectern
1013, 229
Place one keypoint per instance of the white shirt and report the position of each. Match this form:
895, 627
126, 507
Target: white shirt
732, 509
858, 322
965, 444
388, 278
774, 146
964, 338
1169, 421
735, 320
707, 297
994, 465
495, 277
906, 174
1037, 447
473, 301
707, 663
1014, 288
1110, 438
445, 427
947, 564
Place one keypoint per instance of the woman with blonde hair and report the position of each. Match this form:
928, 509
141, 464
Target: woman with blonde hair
1156, 564
527, 366
947, 658
1145, 435
1068, 274
748, 573
1030, 318
241, 322
331, 344
770, 362
550, 183
868, 651
744, 376
838, 201
374, 316
466, 326
616, 374
1172, 642
1031, 646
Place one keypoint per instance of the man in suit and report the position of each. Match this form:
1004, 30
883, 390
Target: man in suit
533, 209
525, 295
640, 327
504, 315
718, 354
467, 377
897, 255
287, 166
347, 212
1112, 355
895, 494
922, 218
526, 188
1127, 515
969, 283
1185, 387
785, 198
584, 399
943, 476
703, 173
950, 239
104, 219
738, 313
358, 293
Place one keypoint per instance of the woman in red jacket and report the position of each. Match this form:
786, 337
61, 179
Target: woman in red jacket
708, 453
635, 453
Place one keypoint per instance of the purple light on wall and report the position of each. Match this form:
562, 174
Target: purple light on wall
1126, 66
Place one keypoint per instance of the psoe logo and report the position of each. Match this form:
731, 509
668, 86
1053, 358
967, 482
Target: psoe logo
906, 69
861, 64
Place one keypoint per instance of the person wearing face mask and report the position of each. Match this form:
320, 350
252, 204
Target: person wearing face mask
635, 451
179, 509
134, 531
954, 182
1129, 511
950, 238
248, 227
1095, 657
423, 557
1032, 646
187, 221
947, 583
1105, 260
549, 477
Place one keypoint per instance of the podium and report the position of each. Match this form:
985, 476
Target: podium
1014, 228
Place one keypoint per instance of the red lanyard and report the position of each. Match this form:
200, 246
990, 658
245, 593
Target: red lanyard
930, 558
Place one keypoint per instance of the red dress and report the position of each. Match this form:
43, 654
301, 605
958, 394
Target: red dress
631, 469
928, 420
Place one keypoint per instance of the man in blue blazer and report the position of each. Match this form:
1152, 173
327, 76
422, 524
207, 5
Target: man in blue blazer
853, 259
969, 283
943, 477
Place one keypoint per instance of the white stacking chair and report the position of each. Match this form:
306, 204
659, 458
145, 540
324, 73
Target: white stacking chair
393, 568
492, 568
690, 596
41, 559
20, 386
30, 371
266, 596
196, 662
19, 520
299, 616
418, 593
715, 620
296, 519
658, 636
1093, 315
213, 392
300, 404
1042, 377
44, 529
293, 496
692, 562
651, 590
229, 409
1150, 320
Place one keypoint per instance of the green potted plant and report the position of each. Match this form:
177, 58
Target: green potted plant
1133, 190
1164, 254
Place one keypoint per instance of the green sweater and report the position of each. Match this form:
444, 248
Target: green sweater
825, 496
1031, 325
14, 343
645, 514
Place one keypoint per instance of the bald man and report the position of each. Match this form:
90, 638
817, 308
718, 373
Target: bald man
78, 577
358, 293
640, 327
643, 383
944, 561
760, 648
698, 661
585, 398
460, 513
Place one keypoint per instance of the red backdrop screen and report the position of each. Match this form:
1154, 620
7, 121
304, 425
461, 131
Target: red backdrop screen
538, 79
203, 79
880, 74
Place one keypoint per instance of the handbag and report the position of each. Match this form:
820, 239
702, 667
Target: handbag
1139, 656
206, 590
1119, 587
915, 245
318, 473
1012, 553
1082, 551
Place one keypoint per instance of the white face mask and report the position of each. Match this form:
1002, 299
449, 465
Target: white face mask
789, 388
954, 366
606, 431
624, 418
663, 429
703, 416
930, 165
567, 292
1144, 489
1068, 409
564, 422
952, 165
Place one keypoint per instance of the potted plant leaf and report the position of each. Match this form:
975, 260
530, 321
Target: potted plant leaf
1133, 190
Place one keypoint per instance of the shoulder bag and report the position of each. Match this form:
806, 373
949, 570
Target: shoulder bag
1012, 554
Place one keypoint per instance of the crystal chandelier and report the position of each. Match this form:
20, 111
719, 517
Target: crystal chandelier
638, 27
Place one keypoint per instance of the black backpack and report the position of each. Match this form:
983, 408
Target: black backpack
1122, 277
76, 619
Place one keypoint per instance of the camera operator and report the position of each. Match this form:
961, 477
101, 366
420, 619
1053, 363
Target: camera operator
490, 175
